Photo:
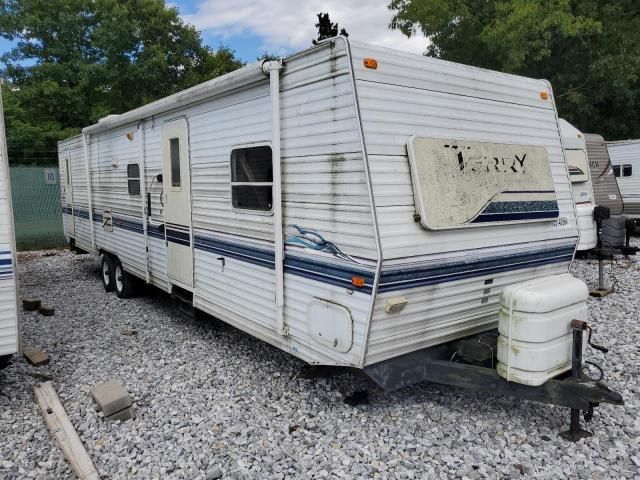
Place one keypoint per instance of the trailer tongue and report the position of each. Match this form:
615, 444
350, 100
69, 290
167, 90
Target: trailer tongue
438, 365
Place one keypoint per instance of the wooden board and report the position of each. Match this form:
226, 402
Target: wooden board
62, 429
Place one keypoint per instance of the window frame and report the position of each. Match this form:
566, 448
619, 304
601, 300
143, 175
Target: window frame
138, 178
266, 213
616, 170
623, 167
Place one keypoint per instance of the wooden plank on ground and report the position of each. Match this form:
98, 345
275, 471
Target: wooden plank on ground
62, 429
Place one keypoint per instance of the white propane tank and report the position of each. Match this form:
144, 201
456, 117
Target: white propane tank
535, 339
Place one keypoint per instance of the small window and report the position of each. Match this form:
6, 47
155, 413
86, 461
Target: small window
627, 170
174, 153
133, 178
252, 178
67, 171
616, 170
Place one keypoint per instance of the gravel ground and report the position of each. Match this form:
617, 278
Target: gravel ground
212, 402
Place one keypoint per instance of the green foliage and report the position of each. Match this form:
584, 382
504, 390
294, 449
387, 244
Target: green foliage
327, 29
89, 58
588, 49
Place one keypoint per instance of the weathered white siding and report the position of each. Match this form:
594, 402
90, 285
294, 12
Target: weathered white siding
627, 152
445, 271
9, 321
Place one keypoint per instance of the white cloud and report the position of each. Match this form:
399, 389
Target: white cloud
285, 25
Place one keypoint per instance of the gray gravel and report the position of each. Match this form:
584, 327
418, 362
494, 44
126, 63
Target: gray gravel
212, 402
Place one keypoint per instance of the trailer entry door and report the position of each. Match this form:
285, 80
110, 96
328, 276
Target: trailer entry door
176, 180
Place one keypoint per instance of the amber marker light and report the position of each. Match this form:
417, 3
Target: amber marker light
544, 95
370, 63
357, 281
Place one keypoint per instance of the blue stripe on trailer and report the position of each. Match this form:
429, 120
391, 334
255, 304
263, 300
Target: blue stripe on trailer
400, 279
341, 275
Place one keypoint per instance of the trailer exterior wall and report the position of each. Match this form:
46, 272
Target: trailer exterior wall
324, 190
451, 279
627, 152
9, 319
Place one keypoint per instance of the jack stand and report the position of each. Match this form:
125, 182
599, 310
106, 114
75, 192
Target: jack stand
575, 432
602, 290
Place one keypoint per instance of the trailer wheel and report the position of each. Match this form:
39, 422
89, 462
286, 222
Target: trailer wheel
106, 272
125, 284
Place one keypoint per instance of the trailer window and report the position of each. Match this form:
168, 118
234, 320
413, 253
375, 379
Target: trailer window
627, 170
174, 153
616, 170
252, 178
578, 166
133, 179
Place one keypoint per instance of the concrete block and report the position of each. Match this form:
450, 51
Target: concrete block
122, 415
111, 397
46, 310
36, 356
30, 304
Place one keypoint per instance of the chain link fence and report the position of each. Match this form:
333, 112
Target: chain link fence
37, 212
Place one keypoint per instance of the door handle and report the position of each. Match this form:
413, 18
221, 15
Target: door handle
221, 259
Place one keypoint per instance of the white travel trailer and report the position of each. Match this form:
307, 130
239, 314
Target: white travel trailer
349, 204
625, 158
575, 150
9, 319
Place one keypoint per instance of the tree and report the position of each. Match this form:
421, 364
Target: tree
78, 60
587, 49
327, 29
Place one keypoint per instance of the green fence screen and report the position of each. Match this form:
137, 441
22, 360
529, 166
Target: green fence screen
36, 207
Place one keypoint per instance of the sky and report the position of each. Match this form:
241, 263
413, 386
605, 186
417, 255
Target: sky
251, 27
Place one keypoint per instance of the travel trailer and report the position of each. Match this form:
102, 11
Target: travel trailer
350, 204
605, 185
9, 320
575, 151
625, 158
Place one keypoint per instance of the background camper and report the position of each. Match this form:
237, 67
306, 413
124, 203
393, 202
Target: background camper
575, 151
9, 320
350, 204
625, 158
605, 185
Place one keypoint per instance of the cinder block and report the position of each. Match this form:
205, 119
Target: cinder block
36, 356
111, 397
122, 415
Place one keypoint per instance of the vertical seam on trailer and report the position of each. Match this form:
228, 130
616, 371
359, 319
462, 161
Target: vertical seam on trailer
566, 170
85, 148
374, 217
143, 196
12, 234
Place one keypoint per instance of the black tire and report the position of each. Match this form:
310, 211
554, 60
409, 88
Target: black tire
126, 285
107, 266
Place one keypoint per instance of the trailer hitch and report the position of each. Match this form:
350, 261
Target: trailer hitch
576, 432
